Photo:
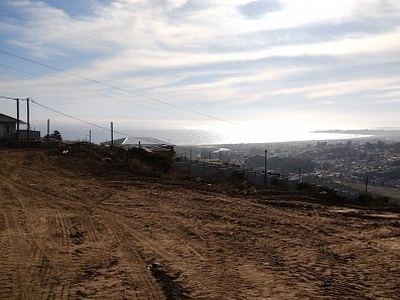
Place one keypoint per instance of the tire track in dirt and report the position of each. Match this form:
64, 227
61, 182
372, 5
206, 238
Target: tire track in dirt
81, 227
278, 261
6, 269
2, 222
75, 227
176, 252
48, 267
19, 253
21, 249
76, 232
36, 265
61, 229
177, 249
137, 274
89, 226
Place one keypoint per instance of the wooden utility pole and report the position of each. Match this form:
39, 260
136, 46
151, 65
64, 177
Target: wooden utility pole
265, 167
27, 120
48, 134
90, 136
48, 130
112, 134
17, 120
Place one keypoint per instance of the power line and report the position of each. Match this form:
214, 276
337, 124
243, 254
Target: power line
110, 86
91, 91
66, 115
85, 122
71, 117
13, 98
8, 98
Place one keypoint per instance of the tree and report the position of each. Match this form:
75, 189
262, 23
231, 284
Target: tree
55, 135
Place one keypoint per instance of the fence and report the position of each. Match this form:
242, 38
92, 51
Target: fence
212, 171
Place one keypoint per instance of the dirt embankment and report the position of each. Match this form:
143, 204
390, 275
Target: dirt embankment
75, 228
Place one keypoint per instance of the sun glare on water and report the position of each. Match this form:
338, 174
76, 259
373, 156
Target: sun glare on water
263, 133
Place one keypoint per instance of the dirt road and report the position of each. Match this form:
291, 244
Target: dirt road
69, 231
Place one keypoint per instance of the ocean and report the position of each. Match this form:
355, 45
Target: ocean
210, 137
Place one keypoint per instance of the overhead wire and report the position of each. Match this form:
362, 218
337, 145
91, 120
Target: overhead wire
72, 117
86, 122
91, 91
69, 116
13, 98
111, 86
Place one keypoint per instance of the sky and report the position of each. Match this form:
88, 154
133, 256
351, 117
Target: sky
232, 66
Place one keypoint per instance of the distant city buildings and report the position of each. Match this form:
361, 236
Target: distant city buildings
341, 165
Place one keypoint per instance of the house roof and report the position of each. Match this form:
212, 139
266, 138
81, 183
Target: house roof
7, 119
149, 141
117, 142
134, 141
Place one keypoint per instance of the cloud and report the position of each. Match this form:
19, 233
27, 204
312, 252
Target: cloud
232, 57
339, 87
175, 27
256, 9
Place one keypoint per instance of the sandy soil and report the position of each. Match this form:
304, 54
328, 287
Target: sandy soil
73, 228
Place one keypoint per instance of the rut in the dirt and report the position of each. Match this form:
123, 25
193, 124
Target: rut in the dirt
172, 290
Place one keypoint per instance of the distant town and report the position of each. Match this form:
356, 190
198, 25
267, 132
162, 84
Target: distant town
348, 166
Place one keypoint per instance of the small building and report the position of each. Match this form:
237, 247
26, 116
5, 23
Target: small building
9, 132
8, 126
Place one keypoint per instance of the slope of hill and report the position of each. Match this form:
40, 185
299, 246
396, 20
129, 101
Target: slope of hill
72, 227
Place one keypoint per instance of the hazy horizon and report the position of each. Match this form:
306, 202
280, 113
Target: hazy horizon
206, 137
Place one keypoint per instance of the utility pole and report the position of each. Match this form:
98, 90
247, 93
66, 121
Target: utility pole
112, 134
18, 133
27, 118
90, 136
265, 167
48, 129
246, 166
48, 134
17, 120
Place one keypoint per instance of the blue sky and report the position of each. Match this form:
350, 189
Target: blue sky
228, 65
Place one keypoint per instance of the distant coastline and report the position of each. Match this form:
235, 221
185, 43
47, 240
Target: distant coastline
358, 131
371, 133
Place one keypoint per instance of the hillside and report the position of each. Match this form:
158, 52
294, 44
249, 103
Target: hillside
72, 227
